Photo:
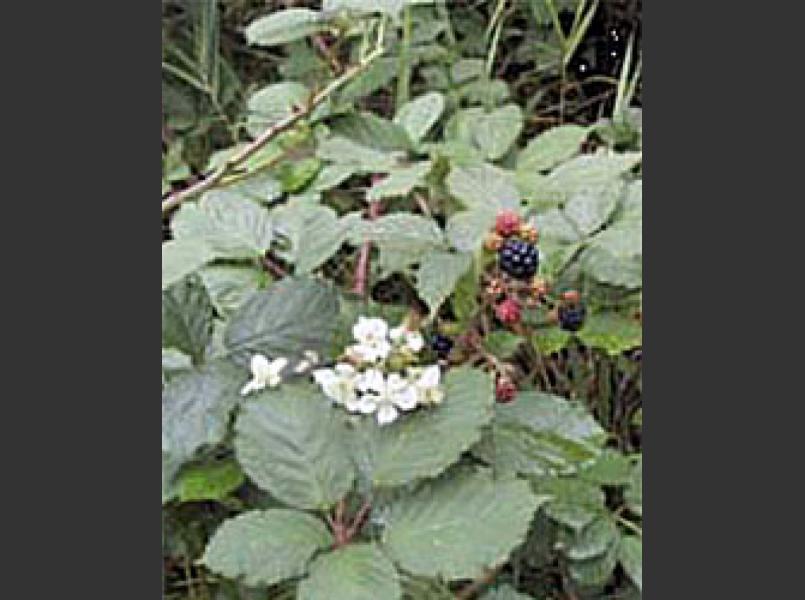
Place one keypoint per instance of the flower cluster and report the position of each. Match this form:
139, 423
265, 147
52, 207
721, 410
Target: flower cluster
268, 373
380, 374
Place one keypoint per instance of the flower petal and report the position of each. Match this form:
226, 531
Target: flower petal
414, 341
430, 377
386, 414
372, 381
345, 370
278, 364
367, 404
324, 376
251, 386
260, 367
406, 399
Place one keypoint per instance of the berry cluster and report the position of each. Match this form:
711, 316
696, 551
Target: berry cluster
514, 242
517, 263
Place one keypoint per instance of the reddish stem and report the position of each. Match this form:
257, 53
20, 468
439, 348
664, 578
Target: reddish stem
359, 519
362, 268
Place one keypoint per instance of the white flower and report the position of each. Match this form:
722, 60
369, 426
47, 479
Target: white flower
264, 373
371, 382
427, 386
338, 384
412, 340
369, 330
385, 397
371, 335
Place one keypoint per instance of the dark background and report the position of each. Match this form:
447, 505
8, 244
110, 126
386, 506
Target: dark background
81, 310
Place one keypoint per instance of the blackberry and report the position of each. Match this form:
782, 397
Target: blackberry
518, 259
441, 344
571, 317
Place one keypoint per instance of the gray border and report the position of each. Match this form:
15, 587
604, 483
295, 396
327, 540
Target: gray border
713, 425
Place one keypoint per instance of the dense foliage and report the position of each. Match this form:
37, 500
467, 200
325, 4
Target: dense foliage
401, 299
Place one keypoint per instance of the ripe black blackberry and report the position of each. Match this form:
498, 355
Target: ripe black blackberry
518, 259
571, 317
441, 345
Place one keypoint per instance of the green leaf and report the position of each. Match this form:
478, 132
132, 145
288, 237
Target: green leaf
172, 361
623, 240
555, 228
291, 443
315, 233
170, 467
492, 132
361, 159
465, 297
400, 182
595, 571
419, 115
610, 468
502, 343
483, 186
367, 129
402, 238
378, 75
505, 592
633, 494
331, 177
410, 234
590, 208
296, 175
180, 258
264, 547
262, 187
209, 481
187, 318
354, 572
573, 502
551, 148
467, 229
425, 443
612, 332
607, 268
291, 316
457, 526
391, 8
438, 275
230, 285
284, 26
541, 434
631, 557
231, 225
196, 406
592, 171
594, 540
273, 103
548, 341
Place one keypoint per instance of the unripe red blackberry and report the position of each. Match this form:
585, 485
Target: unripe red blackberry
507, 223
505, 390
508, 311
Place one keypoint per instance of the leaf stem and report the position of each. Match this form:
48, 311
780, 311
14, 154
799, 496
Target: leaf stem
269, 134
